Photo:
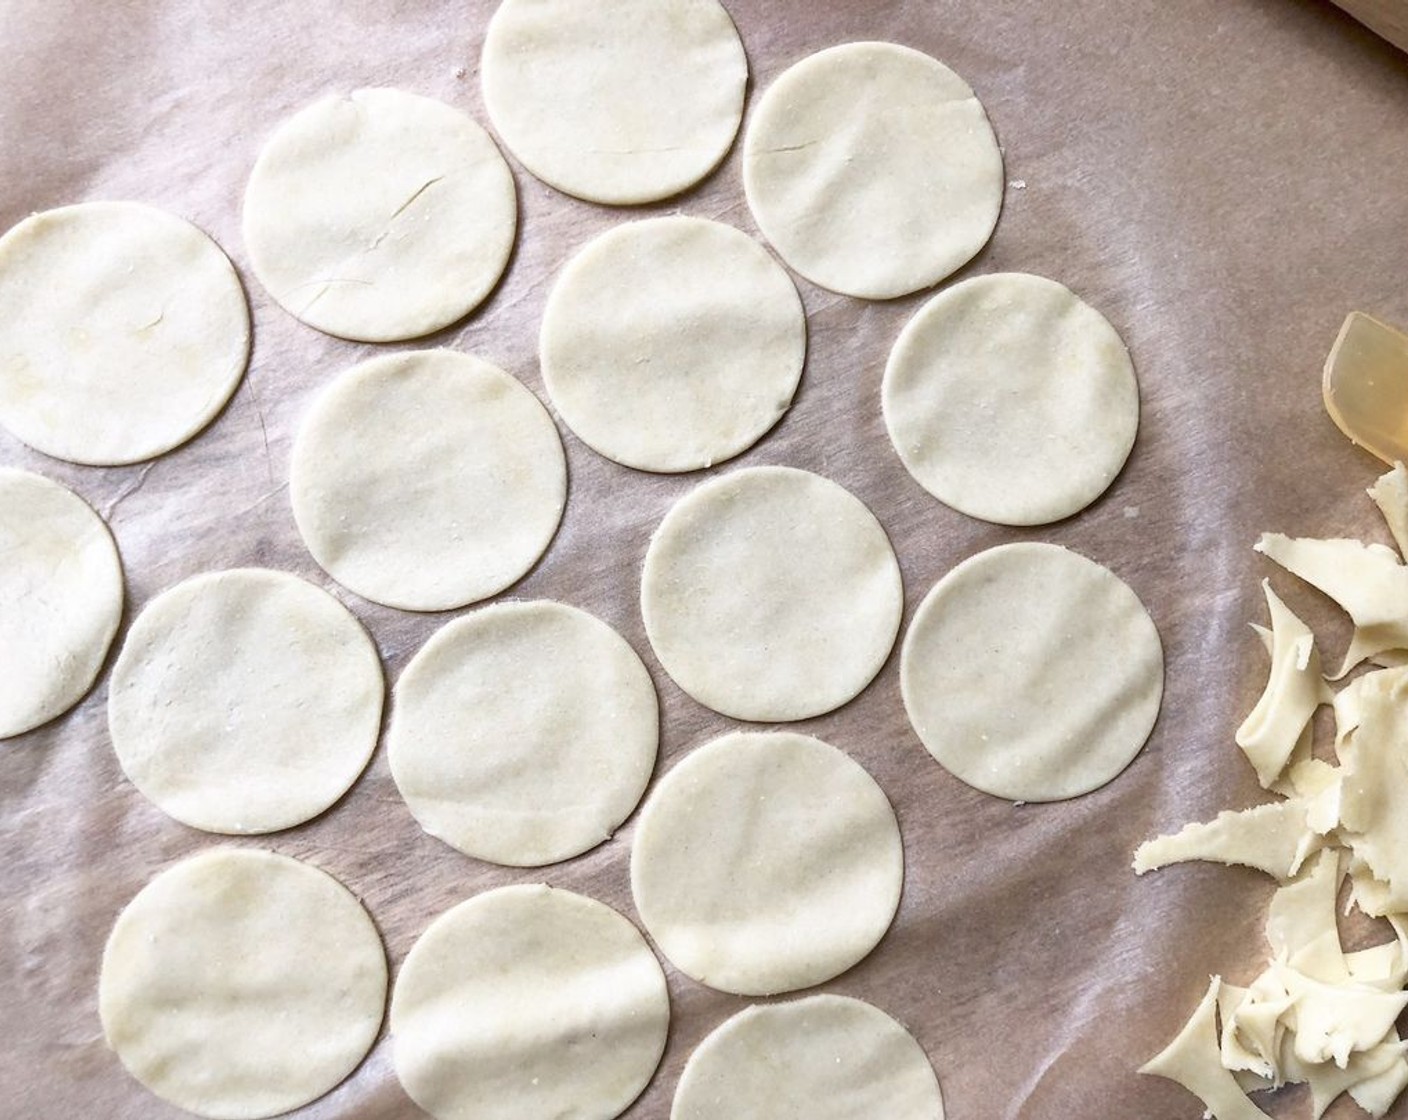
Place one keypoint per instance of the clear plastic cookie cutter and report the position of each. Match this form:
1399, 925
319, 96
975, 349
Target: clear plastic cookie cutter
1366, 386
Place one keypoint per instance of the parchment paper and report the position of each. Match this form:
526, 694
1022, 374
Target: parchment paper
1224, 179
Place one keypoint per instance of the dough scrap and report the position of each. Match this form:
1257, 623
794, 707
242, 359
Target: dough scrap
1390, 494
379, 215
673, 343
1275, 838
62, 590
872, 169
618, 101
1032, 673
1010, 399
245, 701
523, 733
527, 1001
427, 480
241, 984
825, 1057
123, 332
765, 862
771, 594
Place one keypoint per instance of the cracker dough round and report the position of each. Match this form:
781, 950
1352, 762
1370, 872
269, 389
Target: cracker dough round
123, 331
380, 215
241, 984
771, 594
61, 586
1010, 399
528, 1002
826, 1057
427, 480
245, 701
524, 733
617, 101
766, 862
672, 343
872, 169
1032, 673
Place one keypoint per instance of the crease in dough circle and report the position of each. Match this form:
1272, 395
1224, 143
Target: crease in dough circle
872, 169
618, 101
62, 589
771, 594
671, 344
1032, 673
824, 1057
380, 215
240, 984
523, 733
527, 1001
427, 480
123, 332
765, 862
1010, 399
245, 701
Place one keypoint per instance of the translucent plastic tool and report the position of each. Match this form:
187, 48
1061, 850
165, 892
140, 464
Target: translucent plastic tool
1366, 386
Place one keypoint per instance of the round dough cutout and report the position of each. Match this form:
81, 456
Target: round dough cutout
619, 101
1010, 399
766, 862
1032, 673
524, 733
242, 984
873, 170
427, 480
771, 594
61, 583
245, 701
380, 215
527, 1001
825, 1057
673, 343
123, 331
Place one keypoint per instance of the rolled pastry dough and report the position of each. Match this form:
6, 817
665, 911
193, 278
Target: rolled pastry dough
826, 1057
765, 862
61, 586
427, 480
380, 215
245, 701
616, 101
523, 733
123, 331
528, 1002
771, 593
242, 984
872, 169
672, 343
1010, 399
1032, 673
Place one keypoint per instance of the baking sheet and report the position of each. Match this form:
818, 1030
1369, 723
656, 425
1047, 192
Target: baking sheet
1222, 178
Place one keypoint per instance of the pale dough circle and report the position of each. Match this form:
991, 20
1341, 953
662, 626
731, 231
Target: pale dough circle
245, 701
825, 1057
1010, 399
1032, 673
523, 733
673, 343
427, 480
528, 1002
872, 169
123, 331
380, 215
765, 862
240, 984
771, 594
61, 586
616, 101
